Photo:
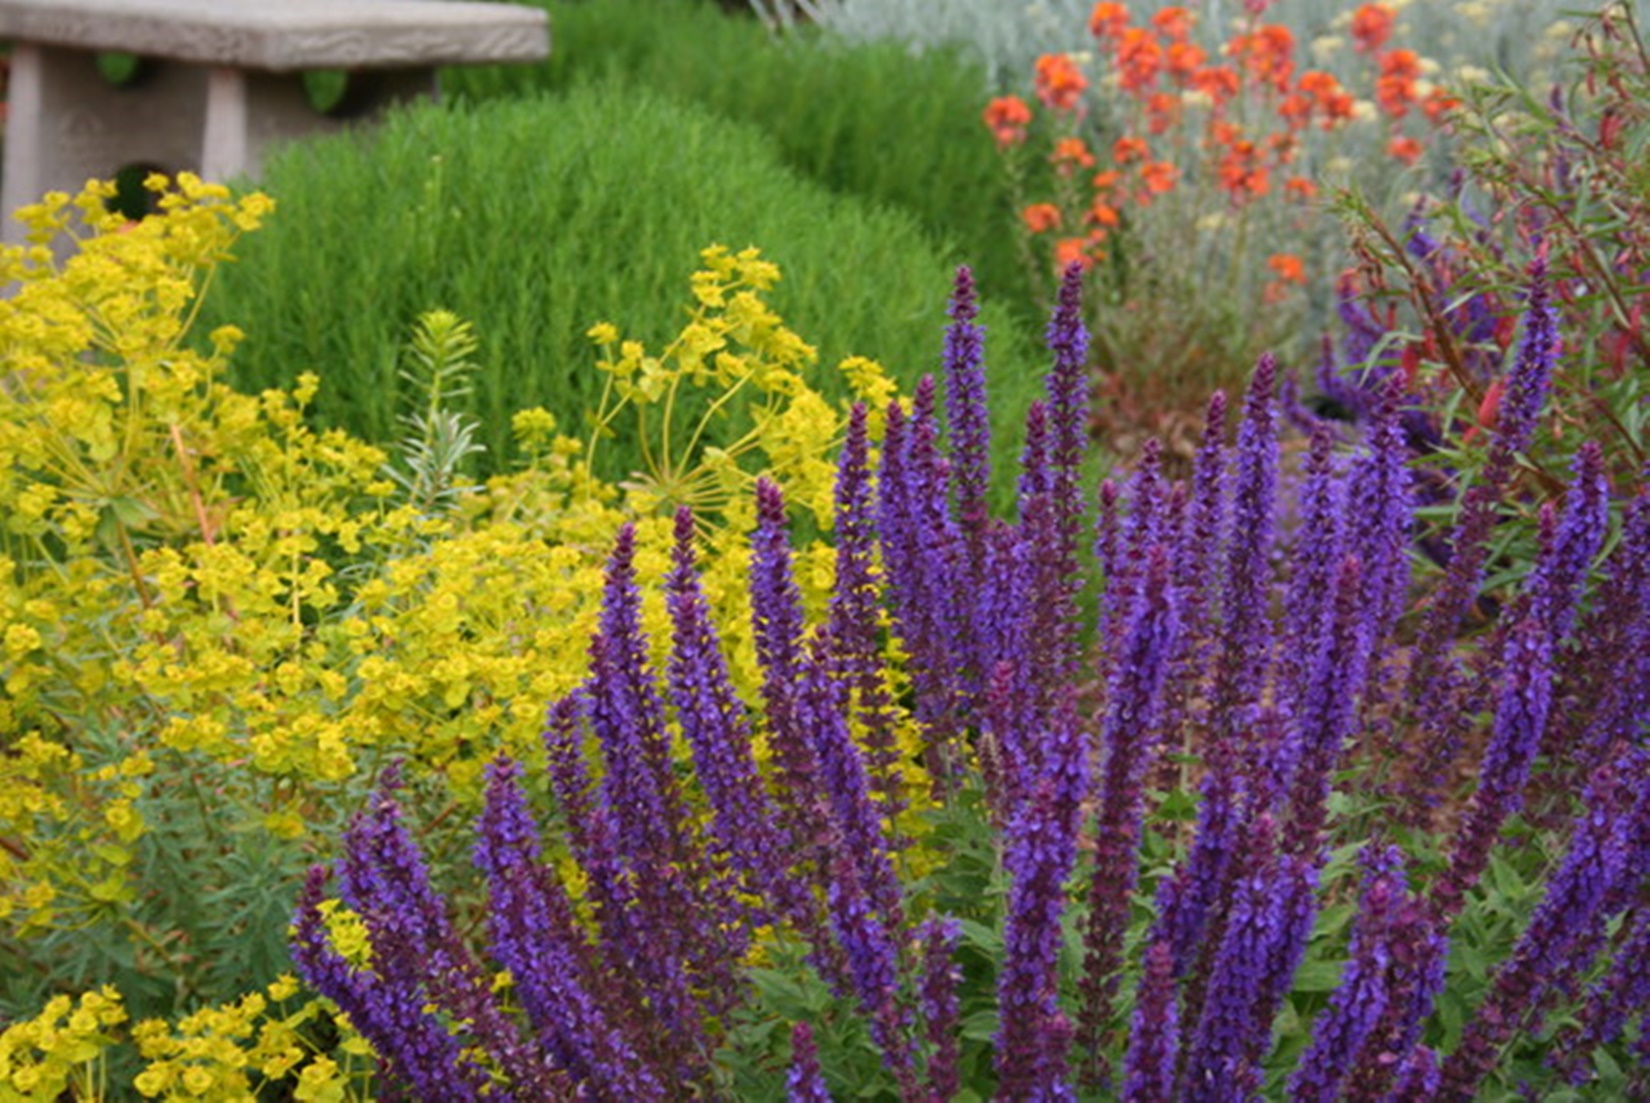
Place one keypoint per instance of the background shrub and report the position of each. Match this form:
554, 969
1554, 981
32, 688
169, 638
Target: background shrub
874, 119
536, 219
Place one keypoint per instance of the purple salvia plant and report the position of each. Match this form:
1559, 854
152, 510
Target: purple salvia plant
1154, 1036
777, 623
968, 422
1311, 576
938, 938
1563, 935
1520, 720
415, 949
1360, 1000
1326, 714
1415, 954
1135, 534
532, 933
1561, 574
1434, 676
856, 831
856, 655
868, 944
418, 1058
1246, 581
1615, 1001
712, 721
626, 942
1127, 747
1033, 1033
805, 1083
1613, 674
1187, 898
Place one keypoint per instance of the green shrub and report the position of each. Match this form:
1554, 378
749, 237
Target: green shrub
537, 219
869, 119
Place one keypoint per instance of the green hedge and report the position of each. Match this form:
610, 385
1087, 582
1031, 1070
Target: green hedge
535, 219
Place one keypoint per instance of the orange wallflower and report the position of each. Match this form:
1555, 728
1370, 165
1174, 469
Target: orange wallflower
1060, 83
1173, 23
1007, 116
1139, 59
1162, 111
1287, 267
1071, 153
1183, 60
1371, 27
1102, 213
1040, 218
1159, 176
1241, 172
1267, 54
1108, 19
1404, 148
1129, 149
1219, 82
1300, 187
1438, 104
1072, 250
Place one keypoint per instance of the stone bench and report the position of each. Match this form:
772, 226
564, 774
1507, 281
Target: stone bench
219, 81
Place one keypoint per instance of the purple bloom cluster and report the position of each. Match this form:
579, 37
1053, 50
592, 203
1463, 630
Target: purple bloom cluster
1262, 654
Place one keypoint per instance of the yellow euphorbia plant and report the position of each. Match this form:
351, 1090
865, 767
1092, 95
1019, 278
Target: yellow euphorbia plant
216, 622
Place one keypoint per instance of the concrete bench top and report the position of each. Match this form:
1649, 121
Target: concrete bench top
287, 35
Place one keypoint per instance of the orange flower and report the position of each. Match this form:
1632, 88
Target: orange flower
1041, 217
1139, 59
1371, 27
1267, 54
1287, 267
1072, 250
1108, 19
1106, 180
1159, 176
1404, 148
1007, 116
1219, 82
1129, 149
1300, 187
1438, 104
1162, 111
1183, 60
1102, 213
1296, 110
1173, 23
1400, 63
1060, 83
1071, 153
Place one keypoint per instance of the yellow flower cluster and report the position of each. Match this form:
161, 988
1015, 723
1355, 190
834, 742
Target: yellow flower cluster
60, 1048
205, 599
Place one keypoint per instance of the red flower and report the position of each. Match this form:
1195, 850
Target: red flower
1007, 116
1404, 148
1371, 27
1060, 83
1071, 153
1041, 217
1173, 23
1108, 19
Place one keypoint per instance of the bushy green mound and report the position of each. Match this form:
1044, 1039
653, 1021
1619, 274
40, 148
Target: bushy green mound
539, 217
863, 118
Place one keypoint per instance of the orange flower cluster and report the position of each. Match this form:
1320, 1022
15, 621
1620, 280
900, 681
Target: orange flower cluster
1253, 103
1060, 83
1007, 117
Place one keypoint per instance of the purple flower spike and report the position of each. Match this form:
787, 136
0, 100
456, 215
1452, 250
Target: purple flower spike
1312, 568
1520, 720
1565, 932
940, 976
1033, 1034
1154, 1038
1561, 574
1244, 649
532, 933
712, 720
419, 1059
965, 409
1435, 674
1360, 1000
777, 621
1068, 340
856, 654
805, 1082
1132, 706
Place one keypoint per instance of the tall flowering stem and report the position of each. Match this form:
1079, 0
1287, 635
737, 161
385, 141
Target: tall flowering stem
1126, 744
